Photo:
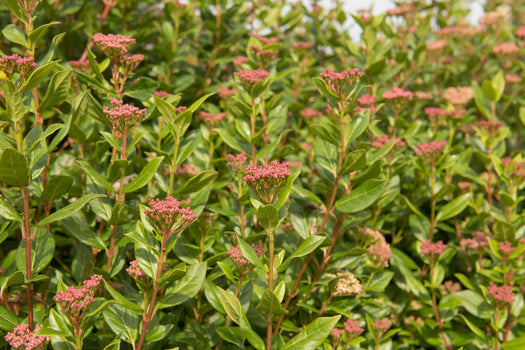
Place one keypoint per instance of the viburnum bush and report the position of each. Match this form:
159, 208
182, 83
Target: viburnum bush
241, 174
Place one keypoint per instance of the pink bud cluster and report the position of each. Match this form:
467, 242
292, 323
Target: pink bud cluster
400, 11
224, 92
124, 117
238, 259
341, 83
263, 57
352, 328
187, 169
114, 46
236, 163
366, 102
501, 294
505, 248
520, 32
383, 140
437, 45
309, 113
264, 40
131, 62
431, 148
16, 64
397, 98
449, 287
75, 300
382, 324
436, 112
81, 66
23, 338
250, 77
477, 241
512, 78
517, 169
161, 93
167, 216
432, 249
239, 60
302, 45
336, 333
378, 248
267, 180
345, 284
211, 120
506, 50
459, 95
134, 270
491, 125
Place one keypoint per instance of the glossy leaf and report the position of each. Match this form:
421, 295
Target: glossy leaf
42, 251
145, 176
313, 335
14, 170
56, 187
186, 288
37, 76
70, 209
199, 182
454, 207
269, 304
308, 246
268, 217
362, 197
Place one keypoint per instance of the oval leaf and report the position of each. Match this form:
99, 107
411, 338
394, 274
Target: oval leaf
313, 335
70, 209
14, 170
362, 197
144, 176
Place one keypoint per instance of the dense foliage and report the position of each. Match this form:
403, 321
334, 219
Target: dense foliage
240, 174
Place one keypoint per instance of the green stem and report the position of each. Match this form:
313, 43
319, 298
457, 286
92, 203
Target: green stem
173, 167
269, 319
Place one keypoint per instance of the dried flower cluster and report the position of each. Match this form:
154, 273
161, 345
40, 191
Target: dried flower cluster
23, 338
167, 216
267, 180
345, 284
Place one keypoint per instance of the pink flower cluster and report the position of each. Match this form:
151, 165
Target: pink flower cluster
352, 328
520, 32
345, 284
341, 83
437, 45
238, 259
124, 117
224, 92
381, 324
267, 180
211, 120
366, 102
431, 148
309, 113
378, 248
397, 98
429, 248
239, 60
23, 338
501, 294
187, 169
505, 248
16, 64
264, 40
167, 216
508, 49
114, 46
250, 77
302, 45
131, 62
399, 11
336, 333
74, 301
436, 112
81, 66
161, 93
134, 270
478, 241
263, 57
459, 95
383, 140
236, 163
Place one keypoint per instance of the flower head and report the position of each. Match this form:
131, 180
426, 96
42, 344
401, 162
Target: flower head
505, 248
16, 64
345, 284
264, 40
134, 270
459, 95
23, 338
250, 77
167, 216
381, 325
236, 163
241, 264
124, 117
267, 180
239, 60
352, 328
161, 93
81, 66
501, 295
75, 300
383, 140
211, 120
302, 45
114, 46
263, 57
224, 92
341, 83
397, 98
309, 113
432, 249
430, 149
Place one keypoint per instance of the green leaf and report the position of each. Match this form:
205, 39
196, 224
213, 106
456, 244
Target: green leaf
123, 322
8, 321
313, 335
145, 175
357, 127
475, 304
354, 161
308, 246
514, 344
268, 217
286, 190
454, 207
15, 35
8, 212
56, 187
199, 182
269, 304
323, 88
480, 100
254, 339
488, 91
362, 197
119, 214
249, 253
476, 330
95, 176
57, 91
38, 33
17, 10
504, 231
42, 251
14, 170
498, 85
324, 132
14, 103
232, 306
119, 298
232, 335
70, 209
416, 287
187, 287
37, 76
